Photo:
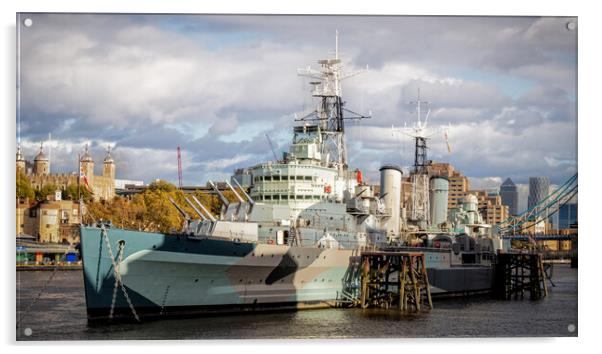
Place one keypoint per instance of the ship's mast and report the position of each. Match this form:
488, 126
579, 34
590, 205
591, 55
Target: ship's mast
420, 180
329, 112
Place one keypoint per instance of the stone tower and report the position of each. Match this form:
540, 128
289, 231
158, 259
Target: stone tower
87, 165
20, 160
41, 162
108, 169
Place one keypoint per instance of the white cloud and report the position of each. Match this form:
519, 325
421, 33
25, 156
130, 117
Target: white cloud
215, 85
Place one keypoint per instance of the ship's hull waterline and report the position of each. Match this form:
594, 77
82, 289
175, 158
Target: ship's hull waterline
166, 275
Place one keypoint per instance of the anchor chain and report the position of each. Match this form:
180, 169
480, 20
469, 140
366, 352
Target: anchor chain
117, 276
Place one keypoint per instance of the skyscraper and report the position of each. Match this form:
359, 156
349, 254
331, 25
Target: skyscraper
509, 194
567, 215
539, 188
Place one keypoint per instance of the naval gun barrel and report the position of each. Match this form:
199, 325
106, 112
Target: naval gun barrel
251, 201
240, 200
211, 217
221, 196
182, 212
195, 209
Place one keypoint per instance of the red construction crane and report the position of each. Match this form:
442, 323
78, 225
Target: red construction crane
179, 169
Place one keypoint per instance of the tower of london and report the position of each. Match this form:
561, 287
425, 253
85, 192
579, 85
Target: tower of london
38, 172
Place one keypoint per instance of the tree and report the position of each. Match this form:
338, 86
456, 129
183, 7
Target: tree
152, 210
45, 191
24, 188
71, 193
162, 186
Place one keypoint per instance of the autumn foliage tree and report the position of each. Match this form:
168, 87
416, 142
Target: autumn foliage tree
151, 210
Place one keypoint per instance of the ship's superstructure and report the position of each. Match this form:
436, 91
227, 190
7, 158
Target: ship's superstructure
291, 239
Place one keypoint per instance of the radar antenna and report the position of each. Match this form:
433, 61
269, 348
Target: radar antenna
330, 110
420, 181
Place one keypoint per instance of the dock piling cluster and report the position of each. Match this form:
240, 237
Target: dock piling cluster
517, 273
395, 279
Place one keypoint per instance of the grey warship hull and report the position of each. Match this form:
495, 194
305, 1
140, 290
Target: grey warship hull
167, 275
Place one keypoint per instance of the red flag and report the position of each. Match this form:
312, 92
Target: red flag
82, 174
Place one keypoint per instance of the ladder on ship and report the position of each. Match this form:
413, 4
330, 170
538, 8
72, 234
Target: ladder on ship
350, 294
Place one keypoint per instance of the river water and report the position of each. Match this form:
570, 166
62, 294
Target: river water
58, 313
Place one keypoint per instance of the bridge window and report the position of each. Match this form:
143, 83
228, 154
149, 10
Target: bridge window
267, 178
276, 178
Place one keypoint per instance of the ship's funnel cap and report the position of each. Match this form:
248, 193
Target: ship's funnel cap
391, 167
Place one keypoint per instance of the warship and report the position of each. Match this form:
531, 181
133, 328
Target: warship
292, 238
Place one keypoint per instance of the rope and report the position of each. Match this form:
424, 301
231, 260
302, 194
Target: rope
117, 275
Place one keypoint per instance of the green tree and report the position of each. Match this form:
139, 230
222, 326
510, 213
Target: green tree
71, 193
24, 188
45, 191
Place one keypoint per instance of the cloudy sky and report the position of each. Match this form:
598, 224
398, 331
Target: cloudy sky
215, 85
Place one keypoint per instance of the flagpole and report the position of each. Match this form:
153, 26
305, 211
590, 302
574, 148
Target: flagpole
79, 176
79, 198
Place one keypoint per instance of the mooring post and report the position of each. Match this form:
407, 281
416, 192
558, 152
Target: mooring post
365, 272
426, 282
415, 283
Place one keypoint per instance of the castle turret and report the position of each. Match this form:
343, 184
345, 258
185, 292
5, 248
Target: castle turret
108, 172
87, 165
20, 160
41, 163
108, 169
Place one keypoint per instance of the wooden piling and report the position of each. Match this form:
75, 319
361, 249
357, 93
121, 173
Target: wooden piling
395, 279
517, 273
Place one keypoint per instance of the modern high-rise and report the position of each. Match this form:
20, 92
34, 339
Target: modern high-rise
539, 188
567, 216
509, 194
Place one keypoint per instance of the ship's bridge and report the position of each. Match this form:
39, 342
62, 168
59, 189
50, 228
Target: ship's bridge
306, 143
286, 183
